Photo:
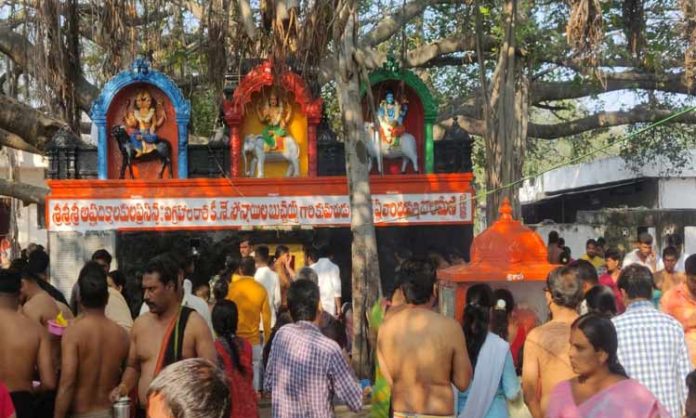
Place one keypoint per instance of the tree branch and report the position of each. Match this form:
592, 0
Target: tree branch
93, 12
468, 58
392, 23
471, 125
605, 120
551, 107
26, 123
22, 52
470, 119
548, 91
246, 18
422, 56
457, 43
25, 192
14, 141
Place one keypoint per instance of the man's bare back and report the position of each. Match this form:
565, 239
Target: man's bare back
146, 338
41, 308
94, 351
24, 345
666, 281
422, 353
546, 362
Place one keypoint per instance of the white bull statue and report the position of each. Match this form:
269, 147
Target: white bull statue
406, 149
254, 145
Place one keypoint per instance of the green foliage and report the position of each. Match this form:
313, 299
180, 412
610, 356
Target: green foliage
179, 40
664, 145
204, 112
331, 108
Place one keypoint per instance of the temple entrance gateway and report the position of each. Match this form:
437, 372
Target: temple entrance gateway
285, 202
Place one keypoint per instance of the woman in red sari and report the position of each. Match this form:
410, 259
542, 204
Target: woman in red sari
234, 355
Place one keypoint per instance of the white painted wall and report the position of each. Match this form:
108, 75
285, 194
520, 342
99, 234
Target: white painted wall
70, 250
690, 240
575, 235
31, 171
677, 193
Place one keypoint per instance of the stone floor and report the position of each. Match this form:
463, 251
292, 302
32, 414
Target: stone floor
341, 411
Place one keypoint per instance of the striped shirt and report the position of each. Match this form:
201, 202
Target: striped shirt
305, 369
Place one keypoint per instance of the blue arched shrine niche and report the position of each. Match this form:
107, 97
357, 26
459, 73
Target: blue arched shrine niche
139, 73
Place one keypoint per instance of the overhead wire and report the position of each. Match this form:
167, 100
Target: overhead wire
483, 194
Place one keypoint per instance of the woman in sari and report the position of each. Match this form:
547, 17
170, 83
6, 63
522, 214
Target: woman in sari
381, 310
505, 325
602, 388
234, 355
601, 301
495, 381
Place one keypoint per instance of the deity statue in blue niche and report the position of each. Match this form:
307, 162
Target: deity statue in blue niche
143, 120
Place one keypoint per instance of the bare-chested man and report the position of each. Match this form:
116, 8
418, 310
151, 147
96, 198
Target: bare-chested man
37, 304
24, 347
669, 277
165, 335
422, 353
546, 361
94, 349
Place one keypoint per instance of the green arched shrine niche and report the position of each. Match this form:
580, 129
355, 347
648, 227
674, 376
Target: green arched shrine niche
391, 72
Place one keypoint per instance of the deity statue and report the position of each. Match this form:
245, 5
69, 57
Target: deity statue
391, 114
275, 115
144, 120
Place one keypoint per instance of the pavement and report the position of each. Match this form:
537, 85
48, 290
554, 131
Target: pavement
341, 410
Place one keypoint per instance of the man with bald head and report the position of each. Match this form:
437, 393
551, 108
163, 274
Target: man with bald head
24, 347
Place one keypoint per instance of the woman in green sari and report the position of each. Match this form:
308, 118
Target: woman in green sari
381, 392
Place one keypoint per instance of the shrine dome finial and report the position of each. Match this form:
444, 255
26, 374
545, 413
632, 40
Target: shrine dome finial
505, 210
506, 251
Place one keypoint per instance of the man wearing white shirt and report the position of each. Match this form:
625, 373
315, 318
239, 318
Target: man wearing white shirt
268, 278
644, 254
329, 280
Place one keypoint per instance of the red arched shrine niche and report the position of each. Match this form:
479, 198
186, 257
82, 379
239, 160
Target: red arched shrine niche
254, 82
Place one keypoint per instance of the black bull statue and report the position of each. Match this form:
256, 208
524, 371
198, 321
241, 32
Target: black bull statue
162, 151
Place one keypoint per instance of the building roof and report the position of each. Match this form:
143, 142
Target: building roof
598, 174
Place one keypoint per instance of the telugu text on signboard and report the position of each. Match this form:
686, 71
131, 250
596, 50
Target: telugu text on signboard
169, 213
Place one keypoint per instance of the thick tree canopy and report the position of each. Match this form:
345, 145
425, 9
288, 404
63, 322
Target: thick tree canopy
642, 49
626, 64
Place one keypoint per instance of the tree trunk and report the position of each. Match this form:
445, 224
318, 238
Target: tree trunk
15, 207
506, 123
32, 126
365, 262
22, 191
